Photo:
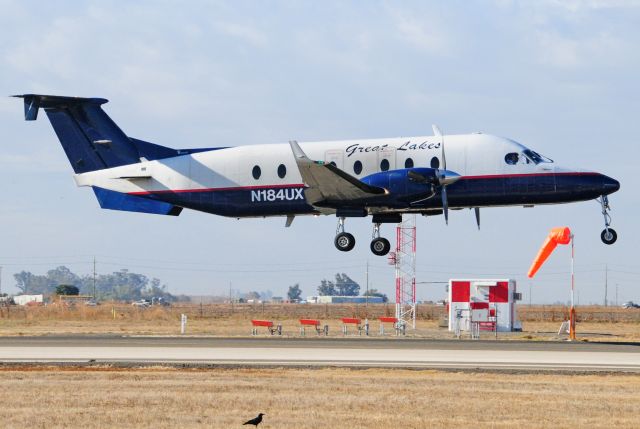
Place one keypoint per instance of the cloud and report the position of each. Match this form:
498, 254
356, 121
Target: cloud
572, 51
578, 5
424, 35
243, 32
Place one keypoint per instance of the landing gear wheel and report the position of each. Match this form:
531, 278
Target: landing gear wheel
608, 236
344, 241
380, 246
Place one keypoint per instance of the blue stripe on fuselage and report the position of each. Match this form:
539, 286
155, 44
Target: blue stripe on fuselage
470, 191
240, 201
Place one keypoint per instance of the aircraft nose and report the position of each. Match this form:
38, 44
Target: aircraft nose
609, 185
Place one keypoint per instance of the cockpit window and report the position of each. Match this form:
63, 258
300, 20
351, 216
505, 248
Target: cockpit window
511, 158
535, 157
527, 156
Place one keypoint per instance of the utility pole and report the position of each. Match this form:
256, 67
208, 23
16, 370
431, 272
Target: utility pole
94, 279
0, 280
616, 292
366, 300
529, 294
606, 280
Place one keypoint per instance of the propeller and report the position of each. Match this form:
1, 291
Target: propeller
444, 179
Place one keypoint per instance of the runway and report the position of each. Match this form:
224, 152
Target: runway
320, 352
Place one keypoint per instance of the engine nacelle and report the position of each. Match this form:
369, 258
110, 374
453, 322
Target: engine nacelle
402, 186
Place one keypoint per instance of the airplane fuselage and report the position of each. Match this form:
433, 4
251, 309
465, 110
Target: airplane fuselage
263, 180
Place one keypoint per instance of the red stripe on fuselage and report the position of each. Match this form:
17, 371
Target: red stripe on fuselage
508, 176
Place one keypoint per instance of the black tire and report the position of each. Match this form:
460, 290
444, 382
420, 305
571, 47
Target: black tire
608, 236
380, 246
344, 241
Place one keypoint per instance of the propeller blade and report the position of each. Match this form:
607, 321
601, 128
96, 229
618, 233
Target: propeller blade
444, 158
445, 204
477, 210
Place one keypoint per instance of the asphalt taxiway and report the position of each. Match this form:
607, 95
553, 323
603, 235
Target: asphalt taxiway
350, 352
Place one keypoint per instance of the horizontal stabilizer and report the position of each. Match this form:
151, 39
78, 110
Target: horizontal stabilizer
33, 102
118, 201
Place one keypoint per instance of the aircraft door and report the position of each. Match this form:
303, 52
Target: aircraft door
388, 155
335, 157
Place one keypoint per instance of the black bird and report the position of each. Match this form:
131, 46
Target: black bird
256, 421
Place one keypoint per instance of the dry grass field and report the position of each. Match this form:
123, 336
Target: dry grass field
539, 322
318, 398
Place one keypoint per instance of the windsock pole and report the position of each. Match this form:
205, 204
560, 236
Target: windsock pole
572, 311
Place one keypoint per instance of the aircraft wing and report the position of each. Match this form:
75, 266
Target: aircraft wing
328, 186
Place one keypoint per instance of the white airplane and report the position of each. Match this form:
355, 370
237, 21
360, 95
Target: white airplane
383, 178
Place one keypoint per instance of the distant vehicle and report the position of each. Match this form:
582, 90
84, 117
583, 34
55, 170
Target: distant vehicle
630, 304
91, 303
143, 303
159, 301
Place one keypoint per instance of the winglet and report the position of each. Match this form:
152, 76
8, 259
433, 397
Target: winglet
436, 130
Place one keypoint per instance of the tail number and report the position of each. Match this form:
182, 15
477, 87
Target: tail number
289, 194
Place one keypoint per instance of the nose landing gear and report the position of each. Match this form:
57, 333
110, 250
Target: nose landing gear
608, 235
380, 246
343, 241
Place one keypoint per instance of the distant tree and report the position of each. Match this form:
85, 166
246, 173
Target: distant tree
253, 295
294, 292
326, 288
119, 285
29, 283
67, 290
345, 286
266, 295
62, 276
374, 292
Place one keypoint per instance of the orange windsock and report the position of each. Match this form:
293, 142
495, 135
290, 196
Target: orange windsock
561, 235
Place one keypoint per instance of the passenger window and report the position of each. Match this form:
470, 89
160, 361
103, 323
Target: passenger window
408, 163
282, 171
256, 172
384, 165
435, 162
357, 167
511, 158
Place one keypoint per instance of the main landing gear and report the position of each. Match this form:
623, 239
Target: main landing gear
380, 246
608, 235
344, 241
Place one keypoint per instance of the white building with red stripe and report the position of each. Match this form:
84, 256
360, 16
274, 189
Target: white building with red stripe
489, 302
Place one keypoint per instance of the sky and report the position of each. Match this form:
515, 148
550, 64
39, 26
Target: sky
558, 76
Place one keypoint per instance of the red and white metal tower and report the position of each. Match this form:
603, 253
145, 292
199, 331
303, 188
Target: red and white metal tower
405, 263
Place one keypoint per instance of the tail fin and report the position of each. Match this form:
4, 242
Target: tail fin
91, 140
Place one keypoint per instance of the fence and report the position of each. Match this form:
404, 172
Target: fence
427, 312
